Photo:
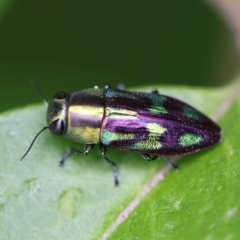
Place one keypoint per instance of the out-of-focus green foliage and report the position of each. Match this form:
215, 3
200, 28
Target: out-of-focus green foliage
69, 45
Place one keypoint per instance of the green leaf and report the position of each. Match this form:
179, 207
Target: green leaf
40, 200
4, 6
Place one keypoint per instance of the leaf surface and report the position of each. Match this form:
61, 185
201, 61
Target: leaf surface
79, 201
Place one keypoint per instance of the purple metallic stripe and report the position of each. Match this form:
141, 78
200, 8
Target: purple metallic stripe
169, 139
176, 110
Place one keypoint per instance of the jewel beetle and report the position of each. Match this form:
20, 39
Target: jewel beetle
149, 123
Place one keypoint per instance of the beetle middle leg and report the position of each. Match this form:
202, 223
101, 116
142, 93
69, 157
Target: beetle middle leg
86, 150
115, 172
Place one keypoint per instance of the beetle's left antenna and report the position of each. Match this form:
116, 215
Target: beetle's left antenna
29, 148
39, 92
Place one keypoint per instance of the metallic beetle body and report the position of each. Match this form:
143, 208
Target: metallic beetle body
148, 123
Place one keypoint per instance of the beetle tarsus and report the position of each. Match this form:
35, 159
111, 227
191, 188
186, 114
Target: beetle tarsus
121, 86
115, 170
115, 174
64, 157
172, 164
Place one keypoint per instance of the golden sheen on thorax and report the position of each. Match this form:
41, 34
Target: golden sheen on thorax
84, 123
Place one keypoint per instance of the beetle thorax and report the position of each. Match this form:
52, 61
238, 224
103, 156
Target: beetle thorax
85, 114
84, 123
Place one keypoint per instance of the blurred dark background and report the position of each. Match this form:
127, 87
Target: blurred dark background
70, 45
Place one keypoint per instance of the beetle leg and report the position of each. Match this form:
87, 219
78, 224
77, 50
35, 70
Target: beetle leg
173, 165
115, 172
86, 150
148, 157
121, 86
155, 91
166, 159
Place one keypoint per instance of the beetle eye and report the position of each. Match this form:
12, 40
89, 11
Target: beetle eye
57, 127
60, 95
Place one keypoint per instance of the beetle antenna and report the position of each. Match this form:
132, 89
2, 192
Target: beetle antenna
29, 148
39, 91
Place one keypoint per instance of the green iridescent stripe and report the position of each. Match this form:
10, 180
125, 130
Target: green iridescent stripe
187, 140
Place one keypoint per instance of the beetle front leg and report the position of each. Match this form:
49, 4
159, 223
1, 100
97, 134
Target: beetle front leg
115, 171
86, 150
